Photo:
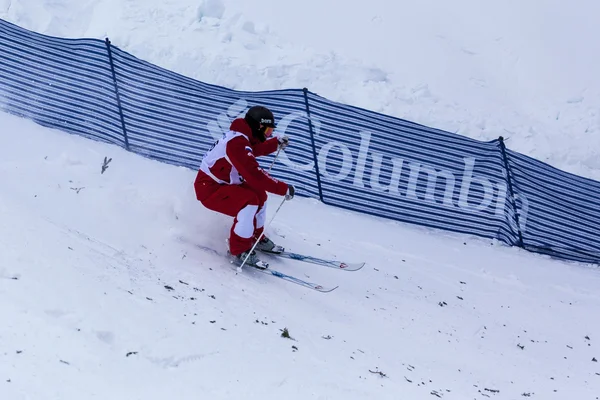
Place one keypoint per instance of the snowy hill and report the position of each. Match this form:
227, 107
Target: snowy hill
111, 282
109, 292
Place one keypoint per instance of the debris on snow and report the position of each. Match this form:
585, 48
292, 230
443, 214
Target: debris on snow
105, 164
380, 373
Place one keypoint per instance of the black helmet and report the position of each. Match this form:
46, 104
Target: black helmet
257, 116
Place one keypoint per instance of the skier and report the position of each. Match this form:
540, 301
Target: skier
231, 182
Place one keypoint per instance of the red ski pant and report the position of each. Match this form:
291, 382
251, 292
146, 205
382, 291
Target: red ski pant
248, 207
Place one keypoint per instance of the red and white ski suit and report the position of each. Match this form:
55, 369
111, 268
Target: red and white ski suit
231, 182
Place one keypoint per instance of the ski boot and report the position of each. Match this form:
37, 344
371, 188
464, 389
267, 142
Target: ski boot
252, 260
266, 245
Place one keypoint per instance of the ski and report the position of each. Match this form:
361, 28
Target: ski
318, 261
269, 271
293, 279
286, 277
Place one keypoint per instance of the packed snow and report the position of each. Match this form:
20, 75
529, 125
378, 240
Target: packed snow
112, 288
112, 281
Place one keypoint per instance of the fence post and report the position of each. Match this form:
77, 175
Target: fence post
114, 75
314, 147
513, 201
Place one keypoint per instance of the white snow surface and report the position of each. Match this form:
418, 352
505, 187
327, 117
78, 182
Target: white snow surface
108, 291
526, 70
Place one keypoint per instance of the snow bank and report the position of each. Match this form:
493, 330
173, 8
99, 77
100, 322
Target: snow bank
526, 71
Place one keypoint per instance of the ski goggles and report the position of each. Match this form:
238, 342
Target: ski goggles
268, 131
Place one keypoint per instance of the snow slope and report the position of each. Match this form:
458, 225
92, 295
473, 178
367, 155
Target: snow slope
526, 70
108, 292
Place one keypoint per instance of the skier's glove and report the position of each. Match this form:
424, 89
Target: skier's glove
290, 192
283, 141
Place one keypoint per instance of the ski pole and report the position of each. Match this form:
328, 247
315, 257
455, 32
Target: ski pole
275, 159
239, 269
